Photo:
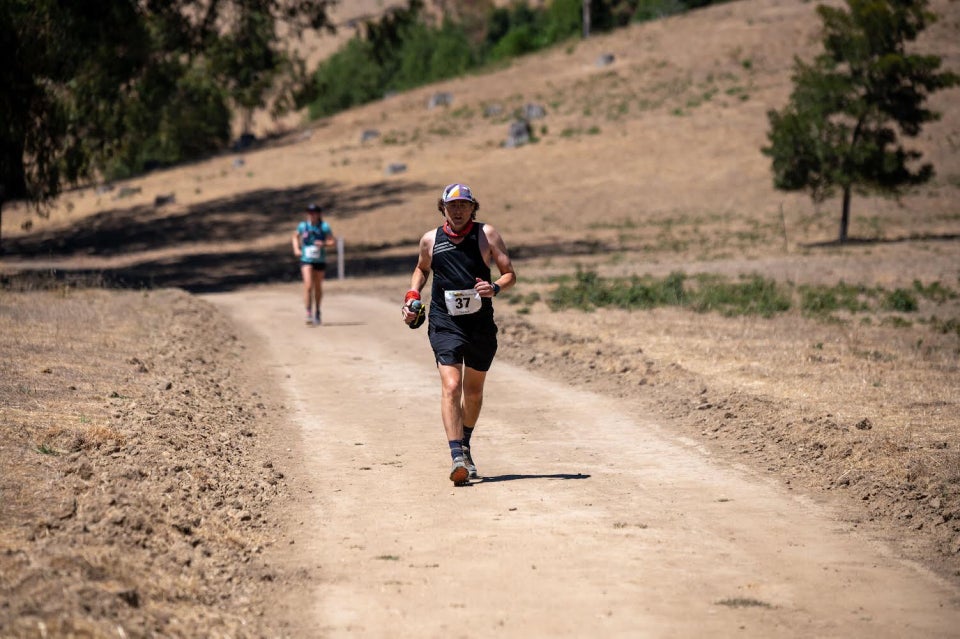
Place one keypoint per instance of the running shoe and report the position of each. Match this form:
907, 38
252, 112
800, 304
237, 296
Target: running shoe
309, 319
316, 317
471, 467
459, 473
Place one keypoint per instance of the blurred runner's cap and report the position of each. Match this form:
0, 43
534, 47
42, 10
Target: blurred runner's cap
314, 208
457, 192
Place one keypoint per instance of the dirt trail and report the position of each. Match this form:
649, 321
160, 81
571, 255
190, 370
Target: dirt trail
590, 521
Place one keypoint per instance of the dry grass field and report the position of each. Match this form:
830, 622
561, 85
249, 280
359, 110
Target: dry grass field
643, 167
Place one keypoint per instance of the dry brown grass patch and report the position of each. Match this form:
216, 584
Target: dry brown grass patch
124, 431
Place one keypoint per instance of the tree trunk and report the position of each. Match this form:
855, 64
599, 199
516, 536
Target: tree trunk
586, 19
13, 175
13, 178
845, 215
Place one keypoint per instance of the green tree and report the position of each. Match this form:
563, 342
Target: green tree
349, 77
249, 61
90, 84
64, 72
849, 109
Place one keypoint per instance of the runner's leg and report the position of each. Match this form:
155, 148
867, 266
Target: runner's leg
450, 409
451, 391
470, 412
472, 395
318, 277
306, 271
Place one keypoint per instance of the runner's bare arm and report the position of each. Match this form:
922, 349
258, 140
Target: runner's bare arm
496, 254
420, 274
424, 261
296, 244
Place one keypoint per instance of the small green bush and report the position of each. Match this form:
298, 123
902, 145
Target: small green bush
349, 77
823, 300
752, 295
947, 326
656, 9
936, 291
900, 300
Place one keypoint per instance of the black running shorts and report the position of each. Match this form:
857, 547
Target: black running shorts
453, 346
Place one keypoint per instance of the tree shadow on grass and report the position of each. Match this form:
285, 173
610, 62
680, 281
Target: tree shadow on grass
252, 214
863, 241
193, 238
221, 271
199, 272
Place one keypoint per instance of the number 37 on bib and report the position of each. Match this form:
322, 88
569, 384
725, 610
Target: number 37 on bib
462, 302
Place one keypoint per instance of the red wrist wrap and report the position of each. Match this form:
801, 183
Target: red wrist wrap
412, 294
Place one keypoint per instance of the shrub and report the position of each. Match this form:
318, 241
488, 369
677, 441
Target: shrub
823, 300
180, 116
752, 295
900, 300
656, 9
427, 55
351, 76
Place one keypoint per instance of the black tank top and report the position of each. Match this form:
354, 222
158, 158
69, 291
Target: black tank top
457, 267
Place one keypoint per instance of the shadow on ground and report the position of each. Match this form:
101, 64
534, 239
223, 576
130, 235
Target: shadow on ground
198, 268
132, 230
863, 241
221, 271
497, 478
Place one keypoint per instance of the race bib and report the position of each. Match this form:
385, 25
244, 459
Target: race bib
311, 252
462, 302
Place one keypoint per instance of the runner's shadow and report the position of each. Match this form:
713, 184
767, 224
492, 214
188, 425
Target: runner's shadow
496, 478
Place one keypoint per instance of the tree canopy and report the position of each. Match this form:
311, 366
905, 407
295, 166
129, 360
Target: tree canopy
119, 85
851, 107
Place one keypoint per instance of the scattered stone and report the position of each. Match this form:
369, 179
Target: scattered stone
864, 424
534, 112
127, 191
163, 200
369, 134
85, 470
518, 134
605, 60
394, 168
440, 99
130, 597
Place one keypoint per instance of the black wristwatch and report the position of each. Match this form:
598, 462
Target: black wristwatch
496, 289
